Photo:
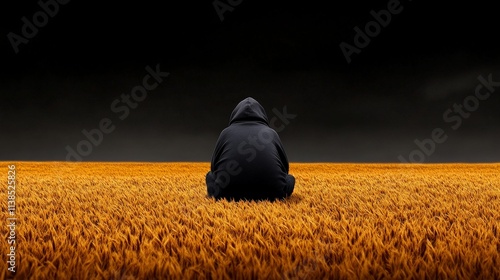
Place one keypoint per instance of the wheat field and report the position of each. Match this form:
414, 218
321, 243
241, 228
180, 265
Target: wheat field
343, 221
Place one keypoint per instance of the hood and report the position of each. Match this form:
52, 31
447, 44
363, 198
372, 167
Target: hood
248, 110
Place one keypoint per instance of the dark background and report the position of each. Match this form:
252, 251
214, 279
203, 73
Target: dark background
281, 53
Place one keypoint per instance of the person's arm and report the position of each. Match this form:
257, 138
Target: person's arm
282, 153
217, 152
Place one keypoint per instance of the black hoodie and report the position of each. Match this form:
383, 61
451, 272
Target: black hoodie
249, 160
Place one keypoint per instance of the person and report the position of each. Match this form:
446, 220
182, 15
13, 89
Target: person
249, 161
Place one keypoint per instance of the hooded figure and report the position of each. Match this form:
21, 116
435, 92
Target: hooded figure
249, 161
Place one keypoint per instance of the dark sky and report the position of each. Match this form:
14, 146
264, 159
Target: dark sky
393, 93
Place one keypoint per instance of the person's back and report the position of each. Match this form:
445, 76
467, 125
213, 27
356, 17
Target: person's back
249, 161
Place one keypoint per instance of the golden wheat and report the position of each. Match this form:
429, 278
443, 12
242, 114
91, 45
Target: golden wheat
154, 221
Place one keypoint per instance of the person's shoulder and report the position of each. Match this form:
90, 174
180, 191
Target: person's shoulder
270, 133
270, 129
226, 130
